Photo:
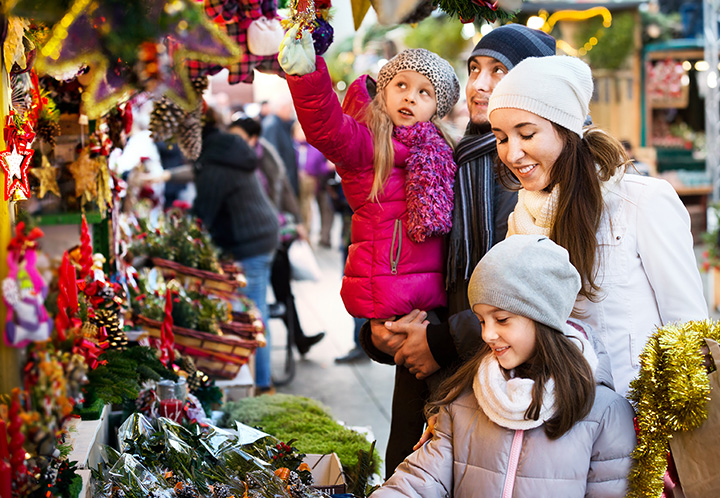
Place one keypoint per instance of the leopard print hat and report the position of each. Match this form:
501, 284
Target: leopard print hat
433, 67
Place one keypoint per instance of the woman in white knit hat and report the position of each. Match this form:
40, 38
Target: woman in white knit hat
628, 236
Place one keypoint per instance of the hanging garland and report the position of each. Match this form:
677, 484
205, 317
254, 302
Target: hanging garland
669, 395
476, 9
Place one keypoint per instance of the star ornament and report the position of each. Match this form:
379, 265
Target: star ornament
15, 162
47, 175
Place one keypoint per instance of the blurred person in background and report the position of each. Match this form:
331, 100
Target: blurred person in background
277, 130
278, 188
314, 171
242, 221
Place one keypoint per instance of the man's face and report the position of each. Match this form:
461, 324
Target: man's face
485, 73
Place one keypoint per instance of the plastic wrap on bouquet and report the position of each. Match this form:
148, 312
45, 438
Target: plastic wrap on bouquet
133, 478
135, 425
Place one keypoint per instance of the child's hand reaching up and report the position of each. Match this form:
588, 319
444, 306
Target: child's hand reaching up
297, 56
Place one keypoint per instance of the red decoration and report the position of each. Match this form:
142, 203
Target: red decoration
5, 470
167, 338
86, 250
17, 452
67, 297
15, 159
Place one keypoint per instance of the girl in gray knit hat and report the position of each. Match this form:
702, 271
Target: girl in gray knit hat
628, 235
396, 164
533, 413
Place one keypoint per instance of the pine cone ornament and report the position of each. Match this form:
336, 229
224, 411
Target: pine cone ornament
295, 486
115, 127
190, 135
47, 131
221, 491
165, 118
200, 85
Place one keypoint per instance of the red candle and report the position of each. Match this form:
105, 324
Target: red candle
5, 471
172, 409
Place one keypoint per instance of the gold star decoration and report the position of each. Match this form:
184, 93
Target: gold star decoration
85, 172
359, 9
47, 176
181, 24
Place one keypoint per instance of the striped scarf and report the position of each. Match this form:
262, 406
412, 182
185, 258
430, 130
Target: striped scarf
473, 218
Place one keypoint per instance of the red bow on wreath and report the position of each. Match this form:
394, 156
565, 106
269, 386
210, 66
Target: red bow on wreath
21, 242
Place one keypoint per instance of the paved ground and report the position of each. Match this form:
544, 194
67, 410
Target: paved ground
359, 394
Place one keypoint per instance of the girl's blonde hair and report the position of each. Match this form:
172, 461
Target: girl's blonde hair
381, 126
556, 356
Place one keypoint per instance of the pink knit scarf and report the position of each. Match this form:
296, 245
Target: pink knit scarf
429, 181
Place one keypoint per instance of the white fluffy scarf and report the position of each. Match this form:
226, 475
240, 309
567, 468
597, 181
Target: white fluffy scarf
534, 212
505, 401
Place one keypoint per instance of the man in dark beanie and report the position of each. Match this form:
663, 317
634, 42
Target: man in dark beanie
432, 351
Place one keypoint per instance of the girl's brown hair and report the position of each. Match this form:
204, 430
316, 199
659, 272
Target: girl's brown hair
378, 121
556, 356
582, 166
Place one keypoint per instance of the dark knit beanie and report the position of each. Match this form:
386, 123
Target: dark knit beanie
439, 71
512, 43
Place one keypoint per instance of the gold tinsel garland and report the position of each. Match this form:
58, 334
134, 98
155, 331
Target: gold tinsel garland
669, 395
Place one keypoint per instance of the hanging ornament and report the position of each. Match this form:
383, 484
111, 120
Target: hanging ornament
21, 95
85, 171
391, 12
359, 10
104, 190
15, 159
14, 46
134, 45
47, 176
423, 11
24, 291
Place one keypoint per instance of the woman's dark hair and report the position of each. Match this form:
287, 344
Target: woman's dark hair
251, 126
582, 166
556, 356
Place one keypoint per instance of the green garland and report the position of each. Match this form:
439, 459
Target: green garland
670, 395
468, 11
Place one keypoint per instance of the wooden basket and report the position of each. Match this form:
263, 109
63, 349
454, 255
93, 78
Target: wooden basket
220, 355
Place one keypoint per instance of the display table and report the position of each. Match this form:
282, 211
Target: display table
87, 438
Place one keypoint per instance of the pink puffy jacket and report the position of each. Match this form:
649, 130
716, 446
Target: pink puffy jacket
386, 273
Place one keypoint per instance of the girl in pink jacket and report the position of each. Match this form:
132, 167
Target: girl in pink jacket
397, 170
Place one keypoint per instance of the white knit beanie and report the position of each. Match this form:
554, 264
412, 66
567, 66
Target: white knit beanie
557, 88
530, 276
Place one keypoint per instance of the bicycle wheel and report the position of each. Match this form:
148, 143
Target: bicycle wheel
282, 361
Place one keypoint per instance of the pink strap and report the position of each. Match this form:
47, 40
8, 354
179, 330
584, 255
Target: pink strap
513, 464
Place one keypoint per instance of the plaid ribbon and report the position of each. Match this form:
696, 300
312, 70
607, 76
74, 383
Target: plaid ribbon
234, 17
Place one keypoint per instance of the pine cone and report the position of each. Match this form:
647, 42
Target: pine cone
165, 119
186, 490
190, 136
221, 491
47, 131
200, 85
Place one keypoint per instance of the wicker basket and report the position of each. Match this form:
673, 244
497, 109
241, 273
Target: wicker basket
226, 282
219, 355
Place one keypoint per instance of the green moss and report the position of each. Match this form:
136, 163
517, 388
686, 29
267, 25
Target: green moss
293, 417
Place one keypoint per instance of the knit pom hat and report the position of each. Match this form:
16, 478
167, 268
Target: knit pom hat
433, 67
530, 276
557, 88
512, 43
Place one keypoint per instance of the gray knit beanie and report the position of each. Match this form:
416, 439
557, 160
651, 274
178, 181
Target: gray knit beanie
512, 43
433, 67
529, 275
557, 88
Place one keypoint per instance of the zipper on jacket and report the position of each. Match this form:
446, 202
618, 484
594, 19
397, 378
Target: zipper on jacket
395, 255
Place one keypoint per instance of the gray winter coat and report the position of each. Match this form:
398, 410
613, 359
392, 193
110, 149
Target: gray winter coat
469, 455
